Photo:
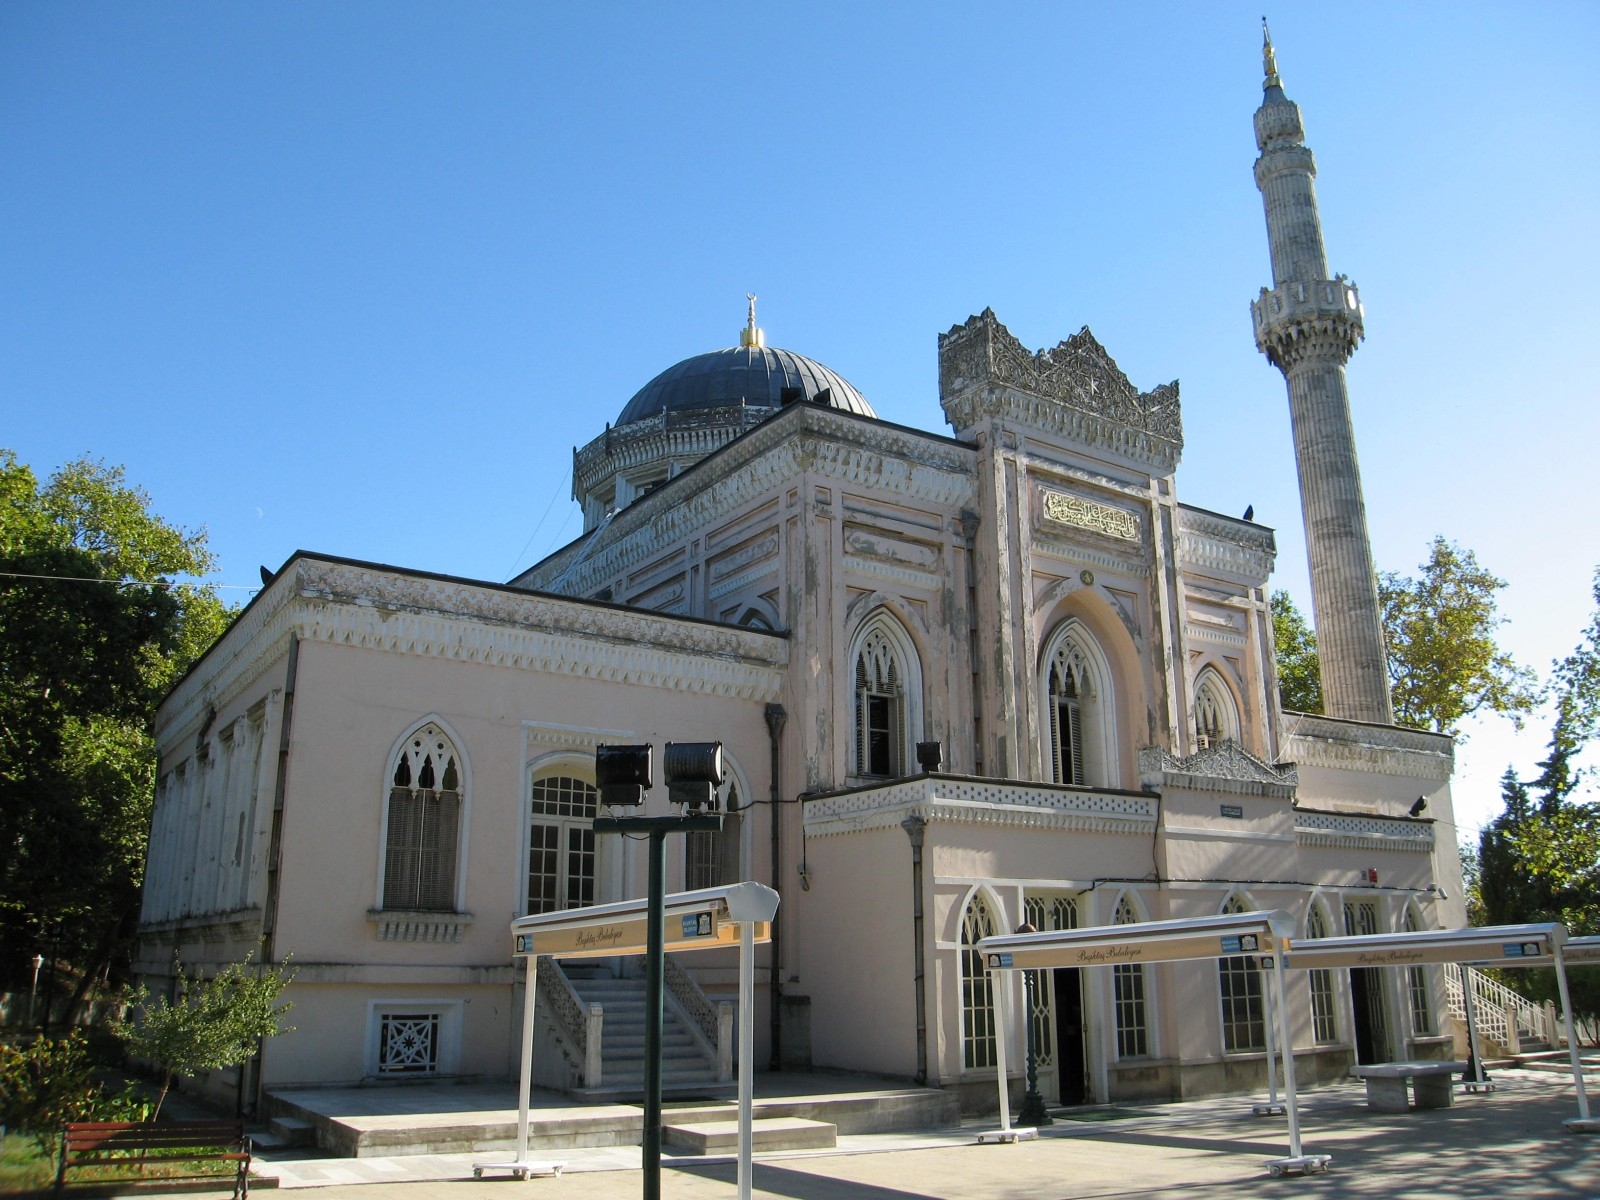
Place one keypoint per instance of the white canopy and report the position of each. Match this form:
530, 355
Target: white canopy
1487, 945
698, 920
1146, 941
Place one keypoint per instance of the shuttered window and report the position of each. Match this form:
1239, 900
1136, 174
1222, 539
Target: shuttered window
424, 825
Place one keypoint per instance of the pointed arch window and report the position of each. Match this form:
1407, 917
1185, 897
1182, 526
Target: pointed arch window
1215, 719
886, 680
1244, 1025
977, 996
1324, 1023
424, 824
1075, 686
1127, 993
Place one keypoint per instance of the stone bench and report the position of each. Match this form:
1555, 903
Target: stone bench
1430, 1084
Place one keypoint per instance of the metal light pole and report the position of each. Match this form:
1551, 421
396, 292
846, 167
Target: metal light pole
693, 770
1033, 1111
33, 989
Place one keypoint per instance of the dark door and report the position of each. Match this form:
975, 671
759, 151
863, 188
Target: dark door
1366, 998
1070, 1070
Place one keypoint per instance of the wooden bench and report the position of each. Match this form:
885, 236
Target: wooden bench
1430, 1084
185, 1144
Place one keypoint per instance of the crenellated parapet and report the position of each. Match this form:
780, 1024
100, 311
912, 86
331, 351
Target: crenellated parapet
1317, 320
1074, 389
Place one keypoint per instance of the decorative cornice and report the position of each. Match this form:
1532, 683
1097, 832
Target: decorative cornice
385, 608
1318, 741
1210, 633
666, 435
1048, 548
921, 469
1225, 767
1074, 389
965, 800
1222, 544
1350, 832
572, 737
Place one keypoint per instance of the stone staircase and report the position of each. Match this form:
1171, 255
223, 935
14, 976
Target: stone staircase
688, 1063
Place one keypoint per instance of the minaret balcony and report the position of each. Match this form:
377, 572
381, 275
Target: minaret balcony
1324, 314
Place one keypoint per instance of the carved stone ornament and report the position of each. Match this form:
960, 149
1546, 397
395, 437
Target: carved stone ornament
1225, 767
1076, 374
1065, 509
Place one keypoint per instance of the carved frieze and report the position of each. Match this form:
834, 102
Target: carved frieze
1225, 767
983, 368
1318, 741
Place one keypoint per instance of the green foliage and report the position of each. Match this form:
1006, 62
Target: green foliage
1540, 858
1299, 670
96, 622
44, 1085
1444, 662
213, 1024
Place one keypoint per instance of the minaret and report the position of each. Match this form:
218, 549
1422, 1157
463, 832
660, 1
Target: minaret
1308, 325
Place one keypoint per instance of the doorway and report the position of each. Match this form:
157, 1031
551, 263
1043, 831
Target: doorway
1371, 1019
1071, 1063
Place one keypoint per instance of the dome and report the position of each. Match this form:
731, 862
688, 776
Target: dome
752, 375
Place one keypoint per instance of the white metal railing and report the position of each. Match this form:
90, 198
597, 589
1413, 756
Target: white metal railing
1495, 1008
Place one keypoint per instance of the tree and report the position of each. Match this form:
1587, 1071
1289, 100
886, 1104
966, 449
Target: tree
214, 1023
1444, 662
1299, 669
1540, 858
99, 614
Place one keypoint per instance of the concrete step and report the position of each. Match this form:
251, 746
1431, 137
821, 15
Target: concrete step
291, 1131
766, 1133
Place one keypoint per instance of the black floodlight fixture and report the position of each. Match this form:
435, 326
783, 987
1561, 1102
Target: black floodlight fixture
930, 756
1420, 806
622, 774
694, 772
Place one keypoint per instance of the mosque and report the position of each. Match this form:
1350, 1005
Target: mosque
967, 678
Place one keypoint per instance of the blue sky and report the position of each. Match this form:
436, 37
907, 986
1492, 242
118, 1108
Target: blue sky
356, 277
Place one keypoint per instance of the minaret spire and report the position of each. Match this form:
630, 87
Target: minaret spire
1308, 325
751, 334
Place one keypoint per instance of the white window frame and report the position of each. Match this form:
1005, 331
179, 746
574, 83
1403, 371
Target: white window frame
571, 765
975, 981
906, 709
1146, 1008
1246, 968
1076, 647
1319, 980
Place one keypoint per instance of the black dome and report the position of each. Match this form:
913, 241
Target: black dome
754, 375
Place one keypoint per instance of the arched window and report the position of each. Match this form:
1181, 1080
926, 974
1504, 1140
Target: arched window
1215, 718
422, 838
887, 683
977, 996
1078, 710
1417, 987
1046, 912
1324, 1022
561, 860
1244, 1025
1127, 993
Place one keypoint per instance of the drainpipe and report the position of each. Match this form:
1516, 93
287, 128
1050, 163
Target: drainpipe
775, 722
916, 826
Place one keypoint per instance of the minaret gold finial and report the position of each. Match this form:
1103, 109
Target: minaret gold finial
1269, 58
751, 335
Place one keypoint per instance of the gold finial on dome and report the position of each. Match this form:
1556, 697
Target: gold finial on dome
1269, 58
751, 334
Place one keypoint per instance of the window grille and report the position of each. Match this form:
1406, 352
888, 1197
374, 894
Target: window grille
561, 846
977, 996
1324, 1024
408, 1043
424, 821
1127, 989
1244, 1024
1047, 912
1417, 988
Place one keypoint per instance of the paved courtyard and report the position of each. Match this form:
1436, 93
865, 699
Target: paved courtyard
1508, 1144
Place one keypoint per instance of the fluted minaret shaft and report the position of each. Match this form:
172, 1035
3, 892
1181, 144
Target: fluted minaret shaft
1308, 325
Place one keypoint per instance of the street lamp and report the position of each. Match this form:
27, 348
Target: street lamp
622, 773
1033, 1112
33, 990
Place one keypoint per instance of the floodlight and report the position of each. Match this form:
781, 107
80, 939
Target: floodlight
622, 774
693, 771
